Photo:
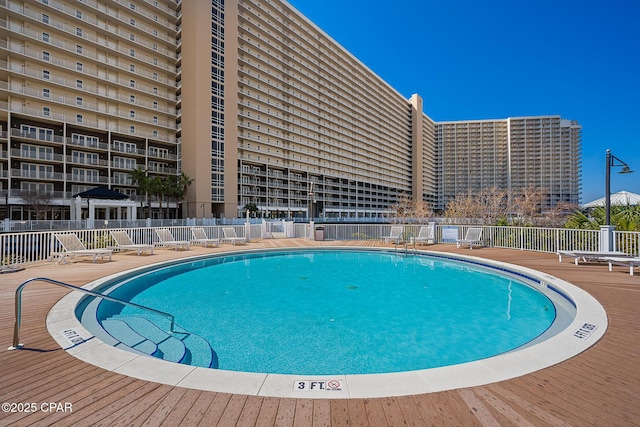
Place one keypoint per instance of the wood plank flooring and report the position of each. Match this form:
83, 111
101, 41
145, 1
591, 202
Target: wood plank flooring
600, 387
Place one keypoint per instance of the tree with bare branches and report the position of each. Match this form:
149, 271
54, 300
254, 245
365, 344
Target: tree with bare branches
39, 201
406, 209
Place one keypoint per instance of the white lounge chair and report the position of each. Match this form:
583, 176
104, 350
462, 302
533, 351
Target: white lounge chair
200, 237
72, 247
631, 262
586, 256
124, 243
230, 236
166, 239
473, 237
395, 235
426, 234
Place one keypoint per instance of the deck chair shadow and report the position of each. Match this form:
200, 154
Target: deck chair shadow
426, 235
72, 247
230, 236
166, 239
395, 235
125, 243
473, 237
200, 238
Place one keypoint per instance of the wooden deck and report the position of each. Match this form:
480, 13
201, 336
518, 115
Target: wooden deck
600, 387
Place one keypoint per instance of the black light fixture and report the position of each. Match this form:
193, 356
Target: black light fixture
611, 161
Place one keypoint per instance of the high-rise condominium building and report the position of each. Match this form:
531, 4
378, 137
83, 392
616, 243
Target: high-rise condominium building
252, 101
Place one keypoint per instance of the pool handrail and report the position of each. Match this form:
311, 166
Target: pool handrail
18, 306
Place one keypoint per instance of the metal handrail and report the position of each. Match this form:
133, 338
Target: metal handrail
18, 309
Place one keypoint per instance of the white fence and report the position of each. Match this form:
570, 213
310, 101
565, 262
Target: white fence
30, 247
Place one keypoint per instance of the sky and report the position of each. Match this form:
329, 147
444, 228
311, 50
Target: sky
493, 59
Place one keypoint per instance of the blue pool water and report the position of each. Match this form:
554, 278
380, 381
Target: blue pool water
342, 312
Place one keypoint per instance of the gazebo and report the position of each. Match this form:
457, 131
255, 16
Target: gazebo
622, 198
102, 197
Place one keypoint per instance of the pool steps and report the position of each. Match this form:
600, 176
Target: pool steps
142, 335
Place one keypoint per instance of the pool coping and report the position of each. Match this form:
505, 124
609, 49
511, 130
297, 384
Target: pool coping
588, 326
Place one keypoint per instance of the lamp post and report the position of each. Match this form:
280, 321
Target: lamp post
611, 161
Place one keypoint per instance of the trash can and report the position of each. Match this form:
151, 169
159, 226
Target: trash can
319, 233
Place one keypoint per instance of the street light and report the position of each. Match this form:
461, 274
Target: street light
611, 161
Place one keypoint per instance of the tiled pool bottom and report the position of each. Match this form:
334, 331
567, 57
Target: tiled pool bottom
585, 329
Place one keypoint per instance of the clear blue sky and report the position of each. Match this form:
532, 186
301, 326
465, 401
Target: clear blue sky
471, 59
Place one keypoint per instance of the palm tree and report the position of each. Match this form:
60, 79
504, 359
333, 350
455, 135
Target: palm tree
625, 218
161, 186
140, 179
180, 188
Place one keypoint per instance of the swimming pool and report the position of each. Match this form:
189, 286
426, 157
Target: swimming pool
553, 299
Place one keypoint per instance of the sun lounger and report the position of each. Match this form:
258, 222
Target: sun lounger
586, 256
72, 247
473, 237
631, 262
425, 235
230, 236
200, 237
395, 235
124, 243
166, 239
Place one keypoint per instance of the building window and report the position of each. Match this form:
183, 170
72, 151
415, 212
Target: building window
132, 68
132, 52
78, 14
45, 18
79, 118
132, 37
132, 83
46, 93
132, 22
132, 114
79, 84
155, 120
79, 66
79, 101
132, 6
46, 74
155, 90
155, 76
46, 37
132, 98
155, 61
155, 133
78, 31
132, 129
46, 56
79, 49
155, 105
46, 111
155, 46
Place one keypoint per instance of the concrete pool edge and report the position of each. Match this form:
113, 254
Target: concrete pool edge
569, 342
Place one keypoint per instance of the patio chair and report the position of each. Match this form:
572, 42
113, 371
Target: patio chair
587, 256
73, 247
166, 239
395, 234
473, 237
230, 236
200, 237
124, 243
427, 234
630, 261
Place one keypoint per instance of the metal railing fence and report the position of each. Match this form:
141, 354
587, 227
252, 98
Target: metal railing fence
20, 248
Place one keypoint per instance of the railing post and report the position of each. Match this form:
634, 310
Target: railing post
606, 242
